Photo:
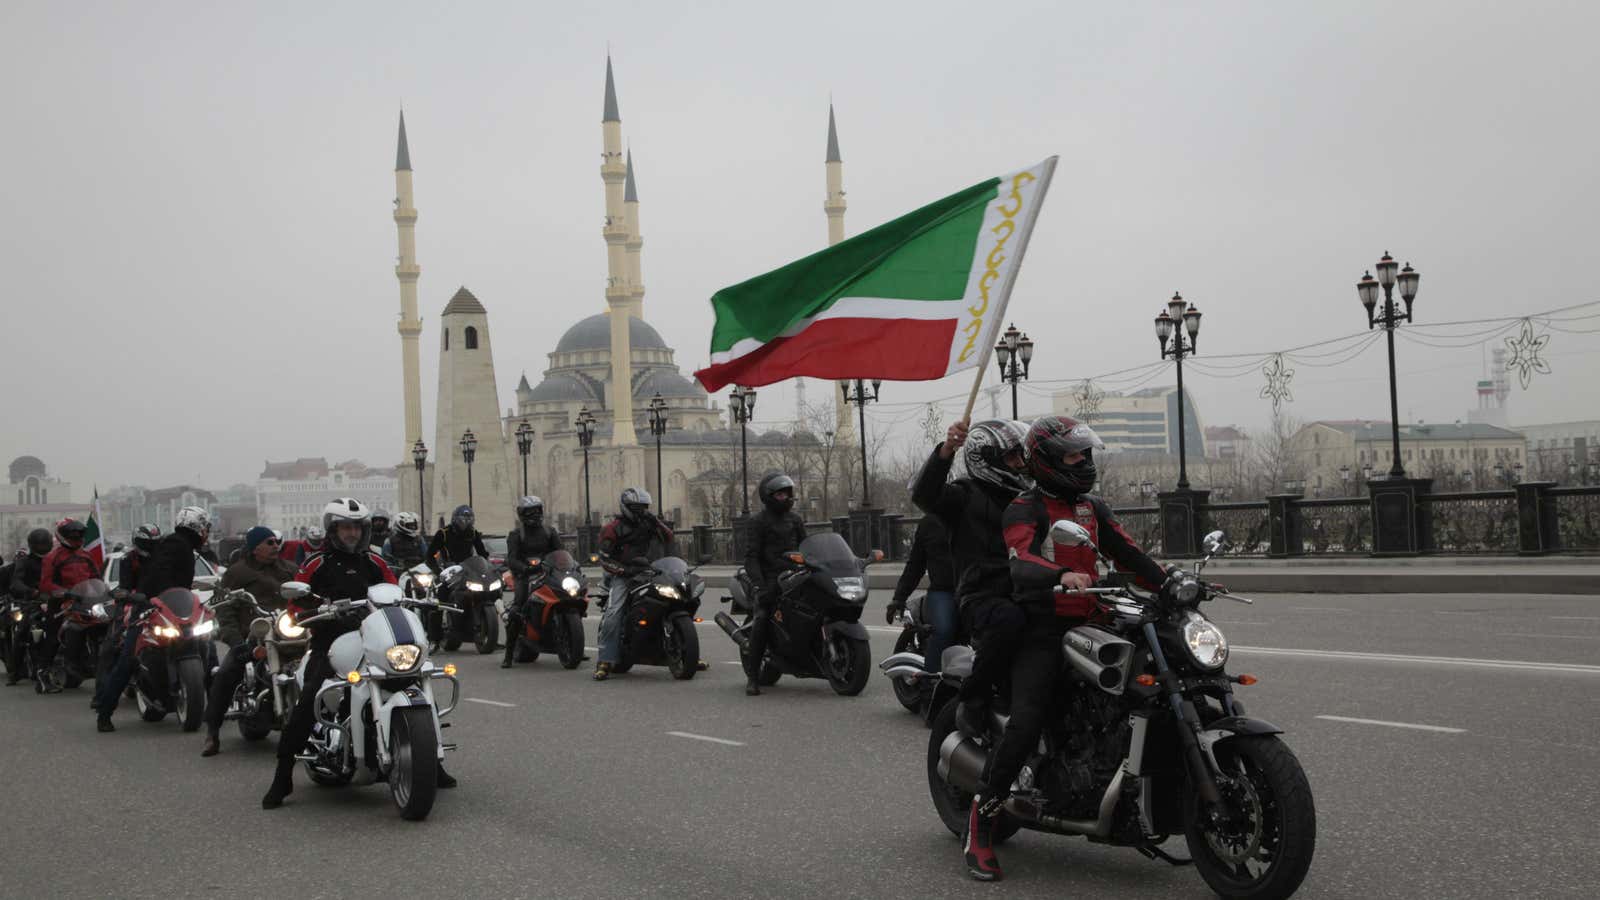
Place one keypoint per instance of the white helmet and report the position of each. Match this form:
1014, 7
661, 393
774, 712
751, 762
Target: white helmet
347, 509
406, 523
193, 518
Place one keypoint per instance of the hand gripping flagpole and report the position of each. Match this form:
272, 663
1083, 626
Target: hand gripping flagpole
1005, 289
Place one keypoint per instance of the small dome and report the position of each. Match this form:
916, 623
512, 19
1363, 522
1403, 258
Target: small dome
23, 466
594, 333
669, 384
561, 387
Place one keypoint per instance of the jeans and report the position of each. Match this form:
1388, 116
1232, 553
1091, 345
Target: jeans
109, 690
223, 683
611, 620
939, 610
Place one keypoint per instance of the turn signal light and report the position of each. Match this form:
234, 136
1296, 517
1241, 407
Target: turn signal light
450, 669
1145, 680
1247, 680
354, 677
698, 619
644, 622
259, 653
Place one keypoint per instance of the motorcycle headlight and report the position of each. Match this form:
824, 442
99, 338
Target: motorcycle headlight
667, 591
403, 657
474, 586
99, 612
851, 588
571, 585
204, 628
287, 629
167, 631
16, 615
1205, 642
423, 579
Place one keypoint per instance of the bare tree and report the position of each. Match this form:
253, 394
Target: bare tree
1272, 459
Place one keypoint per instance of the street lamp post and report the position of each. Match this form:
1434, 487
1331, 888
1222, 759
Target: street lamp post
861, 398
1390, 274
742, 403
469, 452
658, 427
524, 434
585, 426
1344, 476
1014, 353
419, 458
1177, 349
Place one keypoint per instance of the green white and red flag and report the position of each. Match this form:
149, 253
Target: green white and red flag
914, 299
93, 541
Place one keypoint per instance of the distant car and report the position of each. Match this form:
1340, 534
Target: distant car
497, 549
206, 575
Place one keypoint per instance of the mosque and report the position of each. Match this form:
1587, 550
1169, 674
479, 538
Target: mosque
611, 365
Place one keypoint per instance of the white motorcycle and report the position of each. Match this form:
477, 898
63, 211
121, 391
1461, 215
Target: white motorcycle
377, 718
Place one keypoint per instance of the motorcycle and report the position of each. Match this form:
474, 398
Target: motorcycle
472, 586
88, 608
377, 717
175, 656
909, 649
658, 623
552, 616
268, 692
816, 628
30, 619
1149, 742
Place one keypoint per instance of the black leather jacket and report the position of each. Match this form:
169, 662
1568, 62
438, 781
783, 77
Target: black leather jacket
524, 543
768, 536
971, 511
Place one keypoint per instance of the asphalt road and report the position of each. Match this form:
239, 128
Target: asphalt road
571, 788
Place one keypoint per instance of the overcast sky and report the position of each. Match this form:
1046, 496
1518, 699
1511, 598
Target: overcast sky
198, 251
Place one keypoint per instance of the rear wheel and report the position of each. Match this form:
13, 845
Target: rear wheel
849, 664
952, 803
683, 648
190, 699
569, 639
906, 690
1261, 845
414, 778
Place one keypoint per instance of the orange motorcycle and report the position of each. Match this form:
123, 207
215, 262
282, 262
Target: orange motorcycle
551, 619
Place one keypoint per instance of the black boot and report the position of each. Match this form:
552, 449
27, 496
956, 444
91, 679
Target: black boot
752, 687
511, 649
213, 744
282, 785
103, 725
446, 780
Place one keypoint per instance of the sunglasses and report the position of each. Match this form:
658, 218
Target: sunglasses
272, 542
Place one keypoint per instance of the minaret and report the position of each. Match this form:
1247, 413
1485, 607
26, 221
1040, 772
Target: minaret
619, 293
843, 425
405, 221
630, 200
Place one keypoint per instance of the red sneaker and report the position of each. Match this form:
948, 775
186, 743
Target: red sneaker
977, 846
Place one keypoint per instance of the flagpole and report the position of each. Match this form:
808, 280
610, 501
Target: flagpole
1005, 289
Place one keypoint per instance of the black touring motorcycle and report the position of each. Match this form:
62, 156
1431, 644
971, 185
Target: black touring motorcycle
816, 628
1149, 742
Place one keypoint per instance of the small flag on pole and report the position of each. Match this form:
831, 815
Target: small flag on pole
93, 541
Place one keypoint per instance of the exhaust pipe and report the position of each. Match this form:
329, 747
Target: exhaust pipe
726, 623
961, 763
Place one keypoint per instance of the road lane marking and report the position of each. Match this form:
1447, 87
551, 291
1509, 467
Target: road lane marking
1458, 612
710, 740
1355, 656
1578, 618
1439, 728
1559, 637
1321, 609
491, 702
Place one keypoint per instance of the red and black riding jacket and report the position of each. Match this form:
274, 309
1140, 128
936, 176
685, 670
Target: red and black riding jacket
1037, 562
334, 575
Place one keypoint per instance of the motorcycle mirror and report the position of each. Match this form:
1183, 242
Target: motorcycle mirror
294, 590
1071, 534
1214, 542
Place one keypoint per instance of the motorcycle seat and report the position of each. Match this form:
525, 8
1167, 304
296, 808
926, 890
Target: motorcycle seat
956, 661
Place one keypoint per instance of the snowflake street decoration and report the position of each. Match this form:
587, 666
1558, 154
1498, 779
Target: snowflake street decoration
1278, 378
1086, 400
1525, 353
931, 421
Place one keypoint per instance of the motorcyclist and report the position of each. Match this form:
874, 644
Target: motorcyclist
24, 584
405, 548
970, 508
456, 541
1060, 453
171, 565
345, 569
260, 572
774, 530
380, 529
632, 533
301, 550
531, 539
63, 568
930, 555
145, 539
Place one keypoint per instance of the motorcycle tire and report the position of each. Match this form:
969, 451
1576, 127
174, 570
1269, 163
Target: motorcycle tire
569, 640
486, 636
950, 802
905, 690
770, 673
527, 651
683, 648
1269, 776
70, 678
857, 658
414, 777
191, 699
256, 727
148, 709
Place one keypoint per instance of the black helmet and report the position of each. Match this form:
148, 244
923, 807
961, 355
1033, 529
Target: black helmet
462, 519
1050, 440
635, 503
530, 511
146, 538
770, 486
39, 542
984, 454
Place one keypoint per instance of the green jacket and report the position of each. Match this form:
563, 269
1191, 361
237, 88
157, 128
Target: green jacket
260, 579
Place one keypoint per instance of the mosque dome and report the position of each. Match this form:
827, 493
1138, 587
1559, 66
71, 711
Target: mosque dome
594, 333
669, 384
561, 386
23, 466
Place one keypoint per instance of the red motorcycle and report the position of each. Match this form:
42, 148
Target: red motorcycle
552, 616
174, 650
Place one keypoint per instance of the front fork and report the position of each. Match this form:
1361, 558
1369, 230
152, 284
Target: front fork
1189, 722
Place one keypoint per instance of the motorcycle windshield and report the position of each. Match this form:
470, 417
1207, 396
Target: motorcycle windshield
560, 561
829, 553
91, 591
179, 600
475, 568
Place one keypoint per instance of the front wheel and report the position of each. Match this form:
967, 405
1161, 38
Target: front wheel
486, 636
569, 639
683, 648
191, 698
849, 664
414, 779
905, 689
1259, 846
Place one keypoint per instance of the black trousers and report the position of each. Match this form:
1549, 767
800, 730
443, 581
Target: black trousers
1035, 672
995, 626
224, 683
766, 601
298, 730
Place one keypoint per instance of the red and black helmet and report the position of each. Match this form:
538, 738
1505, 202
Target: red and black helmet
1050, 440
70, 531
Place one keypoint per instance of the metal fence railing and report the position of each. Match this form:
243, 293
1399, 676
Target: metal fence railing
1478, 523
